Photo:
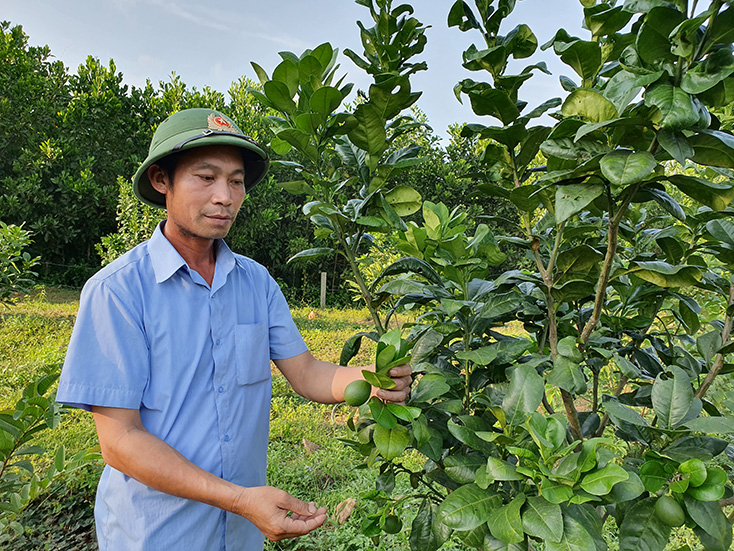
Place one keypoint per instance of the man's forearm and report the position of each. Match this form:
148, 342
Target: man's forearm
132, 450
325, 382
128, 447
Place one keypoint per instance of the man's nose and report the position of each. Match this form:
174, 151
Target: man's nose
222, 193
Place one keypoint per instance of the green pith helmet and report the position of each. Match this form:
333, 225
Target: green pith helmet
195, 128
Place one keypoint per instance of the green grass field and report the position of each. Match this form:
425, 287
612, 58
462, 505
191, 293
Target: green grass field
306, 457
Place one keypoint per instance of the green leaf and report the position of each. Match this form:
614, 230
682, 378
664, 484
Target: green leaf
642, 530
627, 490
462, 16
713, 148
325, 100
575, 537
620, 412
466, 429
590, 105
461, 468
505, 523
369, 134
406, 413
605, 20
652, 42
414, 265
500, 470
426, 533
287, 73
481, 356
404, 199
668, 203
601, 482
626, 367
310, 72
672, 397
713, 488
429, 387
695, 471
624, 86
644, 6
708, 344
542, 519
676, 144
260, 72
495, 103
624, 168
714, 195
301, 141
521, 42
717, 67
379, 411
711, 425
524, 394
665, 275
710, 518
391, 443
468, 507
678, 110
555, 492
60, 459
390, 96
280, 96
723, 230
567, 374
573, 198
297, 187
499, 304
583, 57
311, 253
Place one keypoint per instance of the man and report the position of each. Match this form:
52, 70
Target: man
171, 353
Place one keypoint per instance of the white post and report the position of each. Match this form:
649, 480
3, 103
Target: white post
323, 290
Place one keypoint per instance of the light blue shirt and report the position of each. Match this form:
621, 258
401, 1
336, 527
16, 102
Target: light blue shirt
195, 360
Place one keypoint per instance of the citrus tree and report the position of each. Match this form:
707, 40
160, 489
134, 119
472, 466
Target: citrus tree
600, 409
348, 156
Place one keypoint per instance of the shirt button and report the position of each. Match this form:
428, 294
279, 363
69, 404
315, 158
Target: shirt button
217, 342
226, 437
220, 389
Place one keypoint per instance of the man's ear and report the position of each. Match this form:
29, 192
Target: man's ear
158, 179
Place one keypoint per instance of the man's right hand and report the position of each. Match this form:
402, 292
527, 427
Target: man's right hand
277, 514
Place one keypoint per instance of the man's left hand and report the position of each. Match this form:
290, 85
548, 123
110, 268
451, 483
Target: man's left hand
403, 377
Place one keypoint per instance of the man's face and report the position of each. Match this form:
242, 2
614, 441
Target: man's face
207, 192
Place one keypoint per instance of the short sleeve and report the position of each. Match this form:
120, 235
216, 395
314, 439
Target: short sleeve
285, 339
108, 358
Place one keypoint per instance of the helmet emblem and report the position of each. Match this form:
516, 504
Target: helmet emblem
219, 123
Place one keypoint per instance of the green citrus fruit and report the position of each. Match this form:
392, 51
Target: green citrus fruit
669, 511
357, 392
392, 524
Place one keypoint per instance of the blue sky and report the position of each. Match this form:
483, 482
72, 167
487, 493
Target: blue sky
212, 43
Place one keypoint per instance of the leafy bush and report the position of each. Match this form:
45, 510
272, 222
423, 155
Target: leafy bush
16, 275
20, 479
601, 410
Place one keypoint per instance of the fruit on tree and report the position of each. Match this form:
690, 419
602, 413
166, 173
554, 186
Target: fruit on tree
357, 392
669, 511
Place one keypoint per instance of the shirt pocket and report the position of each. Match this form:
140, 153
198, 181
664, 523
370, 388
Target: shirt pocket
252, 347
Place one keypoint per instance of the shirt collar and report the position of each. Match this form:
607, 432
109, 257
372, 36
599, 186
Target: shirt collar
164, 257
167, 261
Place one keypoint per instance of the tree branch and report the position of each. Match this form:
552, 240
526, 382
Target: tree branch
719, 361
